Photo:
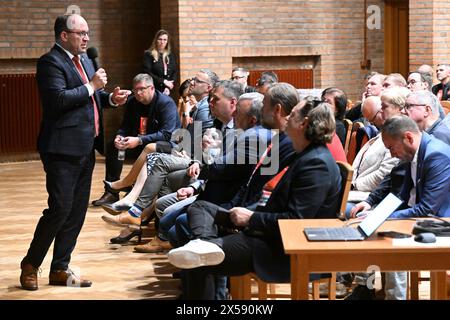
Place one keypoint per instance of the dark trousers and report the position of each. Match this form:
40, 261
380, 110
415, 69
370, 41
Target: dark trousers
114, 166
201, 218
68, 182
200, 283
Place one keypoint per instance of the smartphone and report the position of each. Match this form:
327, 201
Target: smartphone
393, 234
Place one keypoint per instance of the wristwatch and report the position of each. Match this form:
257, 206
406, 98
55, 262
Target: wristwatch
140, 141
185, 114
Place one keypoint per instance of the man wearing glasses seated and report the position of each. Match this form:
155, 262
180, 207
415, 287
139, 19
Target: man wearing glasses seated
241, 75
149, 117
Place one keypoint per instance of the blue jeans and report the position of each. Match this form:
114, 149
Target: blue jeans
170, 213
180, 233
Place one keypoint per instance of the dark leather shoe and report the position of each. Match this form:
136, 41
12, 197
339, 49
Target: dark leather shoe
107, 197
109, 188
114, 209
28, 276
67, 278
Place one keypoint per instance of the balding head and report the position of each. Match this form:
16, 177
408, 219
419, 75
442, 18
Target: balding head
371, 110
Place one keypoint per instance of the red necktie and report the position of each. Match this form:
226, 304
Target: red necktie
76, 60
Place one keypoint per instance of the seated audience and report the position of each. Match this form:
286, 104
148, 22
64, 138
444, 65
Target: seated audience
308, 188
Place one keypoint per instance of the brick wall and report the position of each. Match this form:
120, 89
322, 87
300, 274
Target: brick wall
121, 30
429, 32
215, 34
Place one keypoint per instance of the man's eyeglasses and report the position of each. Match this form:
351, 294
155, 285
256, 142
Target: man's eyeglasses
373, 118
237, 77
82, 34
412, 81
139, 90
197, 80
410, 105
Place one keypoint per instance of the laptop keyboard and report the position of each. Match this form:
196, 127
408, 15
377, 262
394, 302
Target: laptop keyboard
341, 232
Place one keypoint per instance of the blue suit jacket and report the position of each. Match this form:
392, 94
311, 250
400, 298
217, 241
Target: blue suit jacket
67, 125
226, 175
433, 181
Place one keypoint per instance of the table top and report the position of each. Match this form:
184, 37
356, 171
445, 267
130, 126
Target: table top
295, 241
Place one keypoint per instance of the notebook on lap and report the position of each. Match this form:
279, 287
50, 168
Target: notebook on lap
364, 230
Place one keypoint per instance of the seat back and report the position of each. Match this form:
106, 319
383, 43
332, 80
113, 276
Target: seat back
348, 124
446, 106
347, 175
351, 154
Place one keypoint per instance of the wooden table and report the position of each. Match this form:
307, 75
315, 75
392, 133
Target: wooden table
329, 256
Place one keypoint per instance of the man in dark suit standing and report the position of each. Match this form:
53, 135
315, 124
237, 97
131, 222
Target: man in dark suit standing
70, 130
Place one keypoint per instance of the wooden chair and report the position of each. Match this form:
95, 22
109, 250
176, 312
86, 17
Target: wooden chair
446, 106
352, 147
241, 286
348, 124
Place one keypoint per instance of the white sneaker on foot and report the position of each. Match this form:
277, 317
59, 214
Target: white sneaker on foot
196, 253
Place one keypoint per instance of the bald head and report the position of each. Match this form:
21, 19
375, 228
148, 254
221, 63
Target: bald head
425, 68
371, 108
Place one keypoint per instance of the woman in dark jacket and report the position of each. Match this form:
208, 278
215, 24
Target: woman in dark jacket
338, 100
160, 63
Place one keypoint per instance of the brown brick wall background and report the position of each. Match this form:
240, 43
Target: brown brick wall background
216, 34
221, 34
121, 30
429, 32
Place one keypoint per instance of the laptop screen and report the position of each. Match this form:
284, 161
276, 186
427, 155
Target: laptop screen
373, 220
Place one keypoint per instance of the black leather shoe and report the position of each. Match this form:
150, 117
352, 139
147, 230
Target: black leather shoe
114, 209
110, 189
107, 197
126, 235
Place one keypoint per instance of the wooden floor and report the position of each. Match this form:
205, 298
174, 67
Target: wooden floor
116, 271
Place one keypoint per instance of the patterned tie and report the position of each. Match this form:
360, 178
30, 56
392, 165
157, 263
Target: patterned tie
76, 60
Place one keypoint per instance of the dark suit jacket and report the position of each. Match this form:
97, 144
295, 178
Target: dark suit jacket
309, 189
162, 119
433, 181
67, 125
445, 90
250, 192
155, 68
225, 177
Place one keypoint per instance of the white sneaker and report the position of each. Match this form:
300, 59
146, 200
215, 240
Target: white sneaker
196, 253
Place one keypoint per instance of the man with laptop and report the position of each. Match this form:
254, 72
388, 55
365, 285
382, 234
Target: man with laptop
426, 185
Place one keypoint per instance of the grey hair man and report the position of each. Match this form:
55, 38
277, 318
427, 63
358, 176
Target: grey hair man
267, 79
423, 107
419, 81
240, 75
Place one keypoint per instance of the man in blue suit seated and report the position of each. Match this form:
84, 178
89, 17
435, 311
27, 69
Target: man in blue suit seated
426, 186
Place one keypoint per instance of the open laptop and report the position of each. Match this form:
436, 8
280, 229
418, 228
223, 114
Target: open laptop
364, 230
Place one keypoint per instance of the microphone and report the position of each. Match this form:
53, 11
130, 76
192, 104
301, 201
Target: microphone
92, 53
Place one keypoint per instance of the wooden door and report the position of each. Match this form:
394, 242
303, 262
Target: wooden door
396, 37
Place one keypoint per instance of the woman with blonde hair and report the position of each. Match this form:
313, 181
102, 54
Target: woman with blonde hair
160, 62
